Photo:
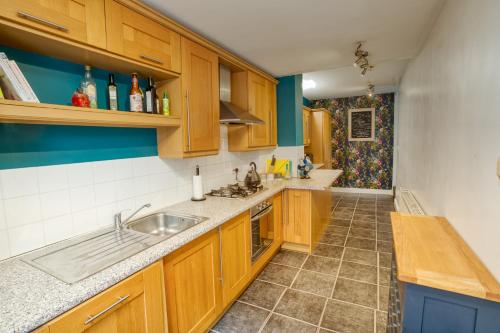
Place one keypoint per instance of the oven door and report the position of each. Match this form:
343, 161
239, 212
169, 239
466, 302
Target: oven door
262, 225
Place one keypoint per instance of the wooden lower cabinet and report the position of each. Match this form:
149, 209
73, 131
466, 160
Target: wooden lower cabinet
133, 305
306, 214
297, 212
236, 256
193, 284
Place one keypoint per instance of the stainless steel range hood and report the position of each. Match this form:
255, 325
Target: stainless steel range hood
230, 113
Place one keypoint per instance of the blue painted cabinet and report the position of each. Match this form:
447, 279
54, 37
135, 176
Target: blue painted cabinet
414, 308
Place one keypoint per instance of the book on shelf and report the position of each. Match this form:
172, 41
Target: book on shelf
13, 82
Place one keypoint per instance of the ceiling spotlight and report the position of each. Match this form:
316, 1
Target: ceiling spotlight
308, 84
371, 90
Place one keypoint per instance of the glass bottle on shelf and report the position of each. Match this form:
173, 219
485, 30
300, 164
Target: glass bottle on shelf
166, 104
89, 87
150, 98
135, 95
112, 93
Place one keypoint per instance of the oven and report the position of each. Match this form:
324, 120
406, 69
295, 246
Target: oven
262, 224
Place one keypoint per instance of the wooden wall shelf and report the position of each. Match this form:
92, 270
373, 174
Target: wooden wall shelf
52, 114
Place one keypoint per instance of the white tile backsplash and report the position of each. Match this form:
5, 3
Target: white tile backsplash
26, 238
53, 178
47, 204
18, 182
55, 204
58, 228
22, 210
82, 198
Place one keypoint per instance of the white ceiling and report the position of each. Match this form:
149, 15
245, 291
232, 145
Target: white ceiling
287, 37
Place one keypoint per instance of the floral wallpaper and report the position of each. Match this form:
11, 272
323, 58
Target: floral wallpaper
366, 164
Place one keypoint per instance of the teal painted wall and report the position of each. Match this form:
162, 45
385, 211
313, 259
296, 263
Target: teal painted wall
290, 99
54, 81
306, 102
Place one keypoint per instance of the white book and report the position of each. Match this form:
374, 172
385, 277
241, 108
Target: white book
20, 76
11, 79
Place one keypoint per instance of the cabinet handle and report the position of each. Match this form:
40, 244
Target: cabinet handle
157, 61
220, 257
42, 21
91, 318
188, 120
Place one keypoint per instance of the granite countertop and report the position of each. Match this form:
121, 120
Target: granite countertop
29, 297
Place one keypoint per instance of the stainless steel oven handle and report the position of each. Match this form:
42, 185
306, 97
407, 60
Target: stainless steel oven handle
263, 213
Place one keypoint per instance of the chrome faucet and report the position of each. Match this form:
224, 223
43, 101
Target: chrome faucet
119, 224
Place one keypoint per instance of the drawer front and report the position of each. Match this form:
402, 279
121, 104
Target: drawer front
119, 307
80, 20
138, 37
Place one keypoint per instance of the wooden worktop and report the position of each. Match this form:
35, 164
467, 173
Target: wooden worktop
429, 252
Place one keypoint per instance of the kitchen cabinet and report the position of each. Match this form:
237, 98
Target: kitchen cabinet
193, 284
236, 256
278, 218
197, 94
320, 145
257, 95
134, 35
297, 212
306, 214
78, 20
133, 305
306, 123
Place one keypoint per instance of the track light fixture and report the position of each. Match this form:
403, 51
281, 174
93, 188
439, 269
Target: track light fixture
361, 59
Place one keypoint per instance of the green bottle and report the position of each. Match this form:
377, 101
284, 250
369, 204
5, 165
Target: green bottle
166, 104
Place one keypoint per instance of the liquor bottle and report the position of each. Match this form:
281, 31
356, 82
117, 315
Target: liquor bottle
89, 87
151, 97
135, 95
166, 104
112, 93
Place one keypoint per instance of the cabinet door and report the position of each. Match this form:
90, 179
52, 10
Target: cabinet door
138, 37
273, 123
80, 20
258, 105
200, 87
236, 257
193, 286
133, 305
278, 218
297, 225
306, 116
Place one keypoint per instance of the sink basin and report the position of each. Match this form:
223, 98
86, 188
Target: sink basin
164, 224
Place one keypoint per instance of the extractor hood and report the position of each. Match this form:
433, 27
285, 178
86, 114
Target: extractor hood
230, 113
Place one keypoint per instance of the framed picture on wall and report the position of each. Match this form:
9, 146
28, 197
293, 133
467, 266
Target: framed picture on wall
361, 124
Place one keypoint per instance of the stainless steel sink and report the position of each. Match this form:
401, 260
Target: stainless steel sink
75, 259
164, 224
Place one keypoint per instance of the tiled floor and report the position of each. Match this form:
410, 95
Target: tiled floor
342, 287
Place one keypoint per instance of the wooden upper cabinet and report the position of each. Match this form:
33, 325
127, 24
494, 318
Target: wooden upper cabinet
136, 36
258, 105
133, 305
193, 286
236, 256
257, 95
80, 20
320, 146
306, 117
200, 90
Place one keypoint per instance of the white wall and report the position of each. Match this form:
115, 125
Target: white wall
43, 205
449, 124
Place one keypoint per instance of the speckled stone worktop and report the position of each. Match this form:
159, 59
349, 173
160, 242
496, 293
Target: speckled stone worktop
30, 297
